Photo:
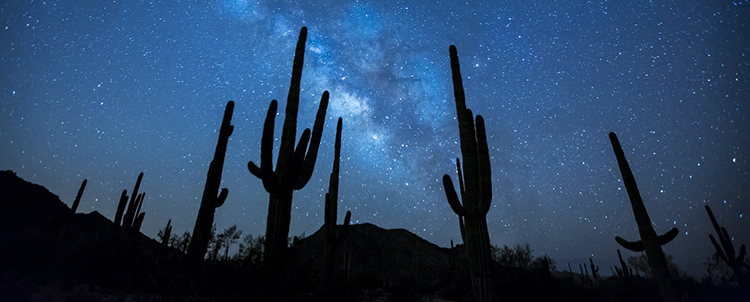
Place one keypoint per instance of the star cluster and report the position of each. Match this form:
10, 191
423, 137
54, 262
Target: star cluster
104, 90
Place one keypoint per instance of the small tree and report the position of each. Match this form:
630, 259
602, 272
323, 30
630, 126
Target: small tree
518, 256
640, 264
251, 249
230, 236
181, 243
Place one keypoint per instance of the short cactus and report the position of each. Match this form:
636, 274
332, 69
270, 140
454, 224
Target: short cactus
725, 249
594, 269
622, 271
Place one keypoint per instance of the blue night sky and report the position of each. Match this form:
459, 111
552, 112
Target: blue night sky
104, 90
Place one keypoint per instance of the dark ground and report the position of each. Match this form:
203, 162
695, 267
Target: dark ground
48, 253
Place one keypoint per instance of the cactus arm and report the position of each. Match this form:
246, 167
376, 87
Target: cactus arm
121, 207
307, 168
461, 187
452, 196
298, 161
718, 248
138, 222
222, 197
725, 248
347, 220
265, 171
727, 243
668, 236
485, 171
635, 246
137, 186
77, 201
139, 203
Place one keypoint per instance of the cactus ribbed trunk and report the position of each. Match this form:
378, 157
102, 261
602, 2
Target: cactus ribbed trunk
650, 242
475, 187
212, 199
277, 224
294, 166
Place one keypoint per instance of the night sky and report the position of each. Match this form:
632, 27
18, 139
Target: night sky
105, 90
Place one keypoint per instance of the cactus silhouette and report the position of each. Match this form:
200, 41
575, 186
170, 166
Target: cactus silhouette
594, 269
725, 249
294, 166
167, 234
622, 271
475, 186
135, 199
334, 236
650, 242
121, 207
77, 201
211, 201
134, 208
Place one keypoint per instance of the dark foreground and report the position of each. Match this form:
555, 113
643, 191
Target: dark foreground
48, 253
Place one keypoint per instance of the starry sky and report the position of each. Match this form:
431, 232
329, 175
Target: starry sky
106, 89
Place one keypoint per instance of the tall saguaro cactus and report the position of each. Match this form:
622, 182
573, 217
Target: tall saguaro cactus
475, 186
650, 242
294, 166
334, 237
212, 199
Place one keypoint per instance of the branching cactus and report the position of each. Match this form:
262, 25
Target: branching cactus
594, 269
212, 199
335, 236
650, 242
725, 250
623, 270
77, 201
131, 213
294, 166
475, 186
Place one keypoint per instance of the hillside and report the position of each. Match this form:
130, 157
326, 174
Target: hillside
49, 253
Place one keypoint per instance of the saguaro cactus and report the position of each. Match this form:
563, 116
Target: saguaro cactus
623, 270
725, 249
334, 237
294, 166
594, 269
135, 199
650, 242
210, 200
77, 201
475, 186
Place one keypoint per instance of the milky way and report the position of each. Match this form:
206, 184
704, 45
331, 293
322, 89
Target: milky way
105, 90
